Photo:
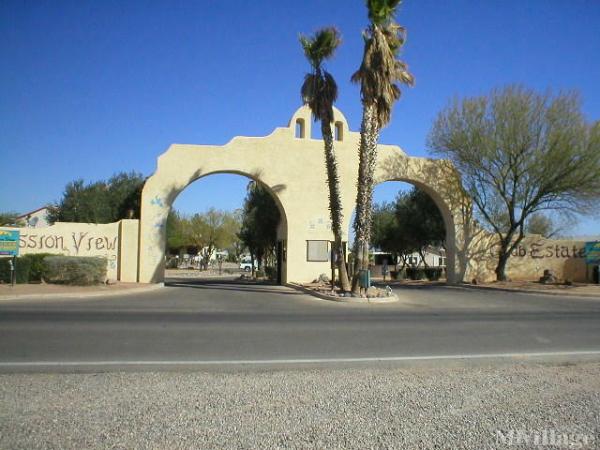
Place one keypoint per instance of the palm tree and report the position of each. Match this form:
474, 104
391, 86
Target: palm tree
378, 76
319, 91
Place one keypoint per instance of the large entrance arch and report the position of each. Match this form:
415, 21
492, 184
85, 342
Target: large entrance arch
290, 163
439, 180
281, 229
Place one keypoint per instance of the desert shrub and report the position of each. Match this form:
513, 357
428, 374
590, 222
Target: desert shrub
398, 274
415, 273
77, 270
23, 267
433, 273
36, 261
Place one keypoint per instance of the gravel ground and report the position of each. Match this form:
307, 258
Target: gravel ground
417, 407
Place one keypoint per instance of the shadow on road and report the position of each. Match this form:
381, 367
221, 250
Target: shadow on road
230, 285
410, 285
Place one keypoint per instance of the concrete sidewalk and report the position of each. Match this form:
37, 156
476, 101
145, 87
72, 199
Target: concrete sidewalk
42, 290
533, 287
575, 290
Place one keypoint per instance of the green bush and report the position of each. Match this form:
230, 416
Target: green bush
415, 273
77, 270
36, 261
259, 273
398, 274
23, 270
433, 273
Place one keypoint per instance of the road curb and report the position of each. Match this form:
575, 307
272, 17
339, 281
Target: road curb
523, 291
140, 290
361, 300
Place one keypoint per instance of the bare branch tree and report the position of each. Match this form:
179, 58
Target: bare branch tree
521, 153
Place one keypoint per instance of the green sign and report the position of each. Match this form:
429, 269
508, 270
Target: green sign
592, 252
9, 242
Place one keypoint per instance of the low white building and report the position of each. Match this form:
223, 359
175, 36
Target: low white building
195, 260
433, 257
35, 219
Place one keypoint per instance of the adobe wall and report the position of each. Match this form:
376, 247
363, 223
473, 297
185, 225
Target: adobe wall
117, 242
565, 258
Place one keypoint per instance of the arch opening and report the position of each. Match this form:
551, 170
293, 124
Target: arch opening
300, 130
413, 233
222, 194
339, 131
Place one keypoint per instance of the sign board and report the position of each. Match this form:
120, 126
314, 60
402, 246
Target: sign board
9, 242
592, 252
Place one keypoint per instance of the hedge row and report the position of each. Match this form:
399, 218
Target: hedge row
76, 270
418, 273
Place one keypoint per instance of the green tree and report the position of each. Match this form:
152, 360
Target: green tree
210, 231
232, 226
9, 218
520, 153
385, 227
420, 222
260, 219
411, 224
125, 195
82, 203
387, 234
177, 239
379, 76
319, 91
100, 201
548, 226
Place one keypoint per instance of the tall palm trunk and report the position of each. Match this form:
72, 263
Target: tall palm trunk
369, 135
335, 204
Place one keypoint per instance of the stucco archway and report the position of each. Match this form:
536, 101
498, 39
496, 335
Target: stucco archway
158, 198
290, 163
441, 182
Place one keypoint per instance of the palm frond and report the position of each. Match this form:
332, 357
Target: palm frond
321, 45
381, 70
319, 90
382, 11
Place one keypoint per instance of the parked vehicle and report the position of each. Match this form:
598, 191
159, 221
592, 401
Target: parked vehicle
246, 265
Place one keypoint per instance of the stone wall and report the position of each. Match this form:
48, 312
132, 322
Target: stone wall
566, 258
117, 242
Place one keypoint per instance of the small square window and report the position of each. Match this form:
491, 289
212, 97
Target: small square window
317, 251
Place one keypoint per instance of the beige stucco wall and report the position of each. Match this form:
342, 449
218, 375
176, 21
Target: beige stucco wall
565, 258
128, 250
86, 239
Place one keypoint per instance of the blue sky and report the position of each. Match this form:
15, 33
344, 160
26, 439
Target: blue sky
89, 88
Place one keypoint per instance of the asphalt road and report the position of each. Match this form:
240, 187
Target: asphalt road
227, 321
